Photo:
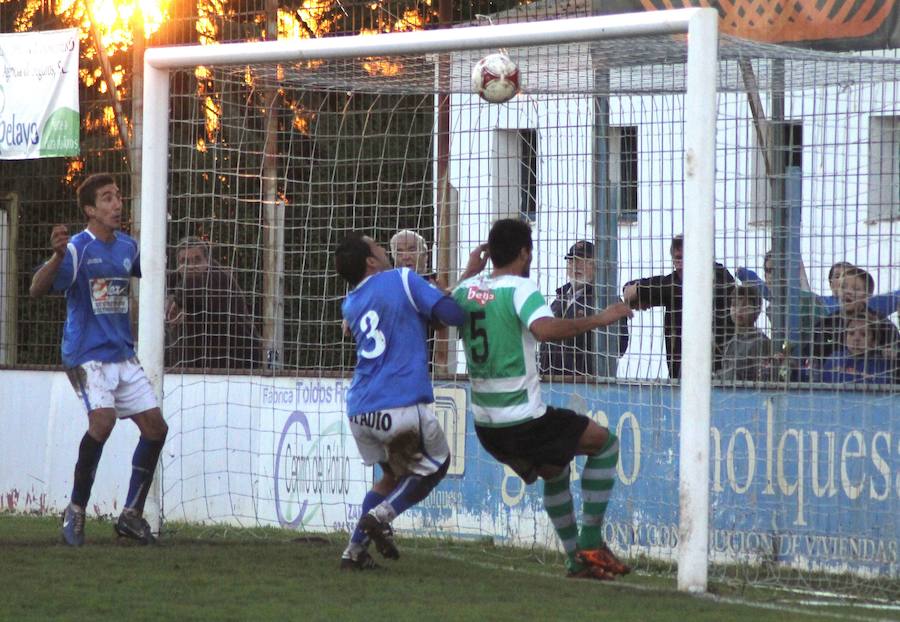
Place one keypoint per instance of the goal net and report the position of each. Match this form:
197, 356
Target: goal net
273, 152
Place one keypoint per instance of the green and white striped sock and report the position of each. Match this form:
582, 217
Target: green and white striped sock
597, 481
561, 510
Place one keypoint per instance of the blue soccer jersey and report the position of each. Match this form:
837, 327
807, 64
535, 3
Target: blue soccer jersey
96, 277
388, 314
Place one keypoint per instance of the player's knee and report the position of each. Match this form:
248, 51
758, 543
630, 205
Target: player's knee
593, 439
387, 482
430, 482
152, 425
163, 429
101, 423
159, 428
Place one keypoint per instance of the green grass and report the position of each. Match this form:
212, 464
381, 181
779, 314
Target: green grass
205, 573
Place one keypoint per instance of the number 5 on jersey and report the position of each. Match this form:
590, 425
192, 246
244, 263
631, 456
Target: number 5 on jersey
478, 332
368, 324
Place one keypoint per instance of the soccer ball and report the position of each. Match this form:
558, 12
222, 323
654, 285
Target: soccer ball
495, 78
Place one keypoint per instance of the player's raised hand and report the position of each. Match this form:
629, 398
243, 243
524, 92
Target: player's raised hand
477, 261
59, 239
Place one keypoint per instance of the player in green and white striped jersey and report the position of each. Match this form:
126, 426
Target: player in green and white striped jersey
507, 316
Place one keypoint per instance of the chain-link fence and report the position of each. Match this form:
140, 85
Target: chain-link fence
38, 193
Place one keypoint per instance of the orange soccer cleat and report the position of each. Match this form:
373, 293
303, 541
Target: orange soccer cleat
604, 559
591, 572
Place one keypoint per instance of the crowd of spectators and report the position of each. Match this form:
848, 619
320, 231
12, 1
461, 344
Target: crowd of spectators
844, 337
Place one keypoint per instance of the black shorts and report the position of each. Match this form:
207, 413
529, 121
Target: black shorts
526, 447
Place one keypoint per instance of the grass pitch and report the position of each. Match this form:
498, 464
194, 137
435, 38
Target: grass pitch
206, 573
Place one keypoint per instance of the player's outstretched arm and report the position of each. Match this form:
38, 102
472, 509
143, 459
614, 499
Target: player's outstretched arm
46, 274
553, 329
447, 313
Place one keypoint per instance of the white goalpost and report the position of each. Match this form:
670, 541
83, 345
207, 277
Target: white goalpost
700, 26
751, 452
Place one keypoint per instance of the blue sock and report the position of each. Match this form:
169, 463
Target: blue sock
143, 464
89, 452
372, 499
407, 493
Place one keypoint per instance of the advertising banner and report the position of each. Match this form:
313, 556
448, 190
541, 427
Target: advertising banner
39, 114
809, 480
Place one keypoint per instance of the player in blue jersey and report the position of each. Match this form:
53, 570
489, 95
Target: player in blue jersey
391, 402
94, 268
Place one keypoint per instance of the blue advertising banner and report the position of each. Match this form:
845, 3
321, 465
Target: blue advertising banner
810, 480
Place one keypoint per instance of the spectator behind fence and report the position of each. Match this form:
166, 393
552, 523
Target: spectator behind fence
409, 250
210, 325
855, 292
810, 307
666, 291
864, 356
815, 306
748, 355
880, 304
577, 356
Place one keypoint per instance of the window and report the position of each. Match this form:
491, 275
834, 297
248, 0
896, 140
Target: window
623, 171
515, 174
884, 167
791, 146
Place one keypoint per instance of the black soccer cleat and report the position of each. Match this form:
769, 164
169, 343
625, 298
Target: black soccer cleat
381, 534
134, 527
363, 561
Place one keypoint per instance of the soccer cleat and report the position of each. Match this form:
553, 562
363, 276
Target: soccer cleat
381, 534
131, 525
591, 572
73, 525
363, 561
602, 557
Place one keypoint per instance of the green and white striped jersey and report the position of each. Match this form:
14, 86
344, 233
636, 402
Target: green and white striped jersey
500, 350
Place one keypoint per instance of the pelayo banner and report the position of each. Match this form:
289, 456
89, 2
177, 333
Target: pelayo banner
39, 115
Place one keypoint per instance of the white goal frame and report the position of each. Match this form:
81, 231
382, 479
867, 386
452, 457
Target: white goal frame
701, 26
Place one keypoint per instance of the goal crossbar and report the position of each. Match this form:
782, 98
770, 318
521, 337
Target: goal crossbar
701, 26
577, 30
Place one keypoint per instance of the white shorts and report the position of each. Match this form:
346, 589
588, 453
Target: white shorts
123, 386
409, 439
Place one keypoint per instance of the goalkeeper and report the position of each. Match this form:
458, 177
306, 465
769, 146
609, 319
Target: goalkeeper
391, 401
507, 317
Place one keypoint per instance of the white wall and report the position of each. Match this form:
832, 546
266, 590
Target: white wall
43, 422
835, 201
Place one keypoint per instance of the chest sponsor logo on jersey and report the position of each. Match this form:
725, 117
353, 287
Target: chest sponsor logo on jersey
94, 260
109, 295
481, 296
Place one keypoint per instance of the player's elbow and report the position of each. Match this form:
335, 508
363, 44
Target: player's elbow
448, 313
543, 329
36, 290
